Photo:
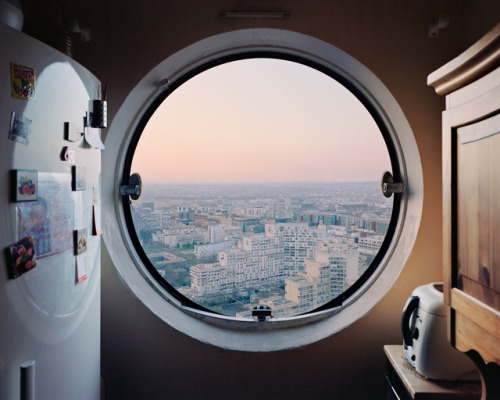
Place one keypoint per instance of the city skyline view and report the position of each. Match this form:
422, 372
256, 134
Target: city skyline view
231, 247
261, 187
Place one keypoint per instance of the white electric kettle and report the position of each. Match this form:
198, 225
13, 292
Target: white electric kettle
424, 324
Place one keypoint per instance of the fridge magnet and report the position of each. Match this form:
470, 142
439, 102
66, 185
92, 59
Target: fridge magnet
80, 241
81, 268
21, 256
67, 155
72, 133
19, 130
50, 220
93, 139
23, 81
96, 223
78, 177
96, 213
26, 185
99, 114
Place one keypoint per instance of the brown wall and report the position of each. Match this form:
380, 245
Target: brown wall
142, 357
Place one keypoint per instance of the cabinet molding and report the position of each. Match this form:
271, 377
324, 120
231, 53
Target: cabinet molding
474, 63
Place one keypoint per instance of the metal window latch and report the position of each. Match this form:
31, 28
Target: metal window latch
261, 313
134, 187
389, 186
162, 84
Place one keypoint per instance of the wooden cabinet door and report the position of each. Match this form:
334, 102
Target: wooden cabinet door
478, 210
475, 295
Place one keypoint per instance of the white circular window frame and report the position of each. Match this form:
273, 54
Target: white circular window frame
233, 333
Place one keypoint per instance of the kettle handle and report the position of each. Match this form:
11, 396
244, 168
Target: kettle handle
410, 306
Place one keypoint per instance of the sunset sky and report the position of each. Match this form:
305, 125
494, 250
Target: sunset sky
261, 120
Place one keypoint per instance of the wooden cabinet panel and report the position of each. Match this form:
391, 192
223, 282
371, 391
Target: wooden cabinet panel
472, 320
478, 210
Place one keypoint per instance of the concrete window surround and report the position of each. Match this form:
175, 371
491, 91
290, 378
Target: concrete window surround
232, 333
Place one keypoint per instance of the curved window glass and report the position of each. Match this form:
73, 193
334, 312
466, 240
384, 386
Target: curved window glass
261, 187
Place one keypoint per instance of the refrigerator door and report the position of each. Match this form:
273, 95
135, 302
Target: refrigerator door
49, 302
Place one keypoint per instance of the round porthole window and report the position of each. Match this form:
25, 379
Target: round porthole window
262, 207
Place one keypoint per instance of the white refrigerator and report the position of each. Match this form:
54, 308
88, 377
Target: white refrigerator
50, 157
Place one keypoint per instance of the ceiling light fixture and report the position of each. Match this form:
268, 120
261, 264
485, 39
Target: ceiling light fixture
255, 15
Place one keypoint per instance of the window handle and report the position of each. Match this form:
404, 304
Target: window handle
134, 187
261, 313
389, 186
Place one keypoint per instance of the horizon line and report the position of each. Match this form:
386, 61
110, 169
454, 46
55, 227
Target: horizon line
252, 182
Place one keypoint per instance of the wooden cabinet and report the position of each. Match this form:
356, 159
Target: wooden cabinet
471, 195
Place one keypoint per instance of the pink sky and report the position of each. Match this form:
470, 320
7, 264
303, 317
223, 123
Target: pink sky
261, 120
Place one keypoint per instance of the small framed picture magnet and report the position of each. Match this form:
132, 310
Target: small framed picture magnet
72, 133
79, 178
21, 257
22, 81
25, 185
20, 129
80, 241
